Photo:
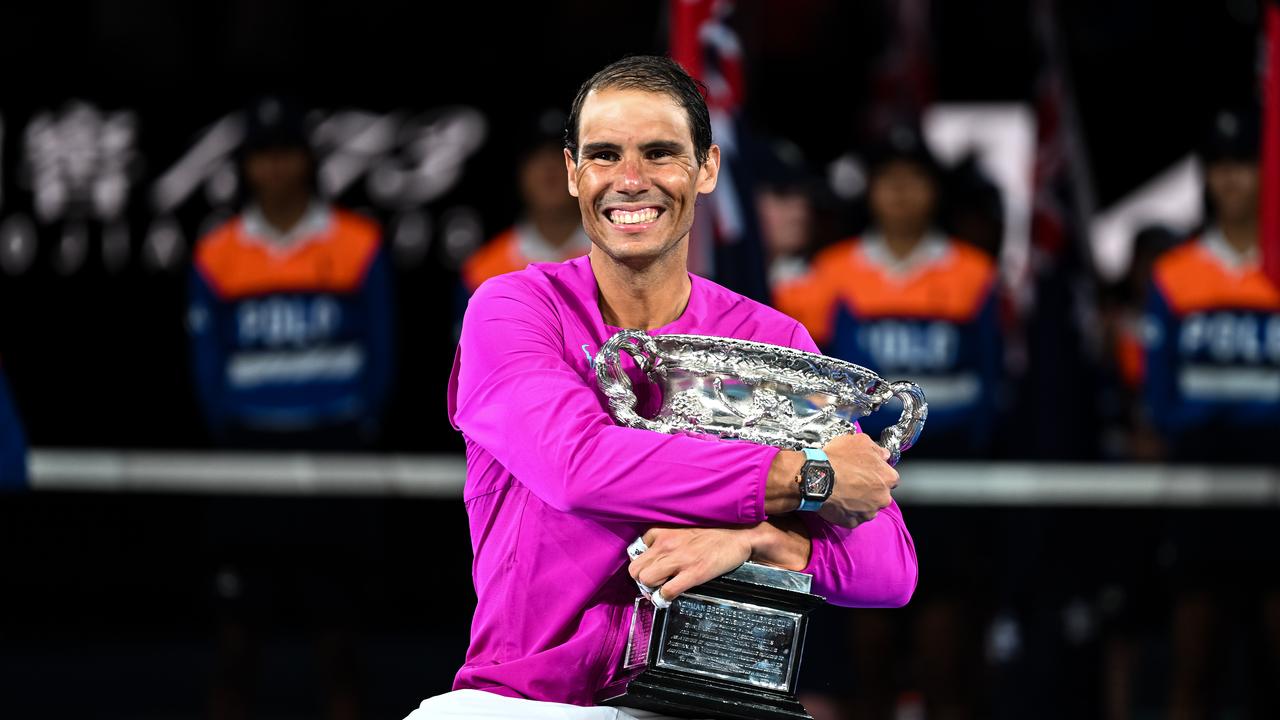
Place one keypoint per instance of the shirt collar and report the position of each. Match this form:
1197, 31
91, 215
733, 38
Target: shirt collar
314, 221
1216, 244
930, 249
689, 320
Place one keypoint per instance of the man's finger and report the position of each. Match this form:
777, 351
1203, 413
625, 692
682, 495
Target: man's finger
637, 548
653, 578
634, 568
657, 571
674, 587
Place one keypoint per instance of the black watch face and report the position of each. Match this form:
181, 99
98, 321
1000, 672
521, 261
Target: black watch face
817, 480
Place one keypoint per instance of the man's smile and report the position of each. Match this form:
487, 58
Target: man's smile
632, 217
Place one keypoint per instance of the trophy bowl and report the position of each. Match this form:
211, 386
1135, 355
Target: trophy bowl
730, 648
761, 393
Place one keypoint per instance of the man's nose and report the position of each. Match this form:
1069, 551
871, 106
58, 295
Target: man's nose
631, 177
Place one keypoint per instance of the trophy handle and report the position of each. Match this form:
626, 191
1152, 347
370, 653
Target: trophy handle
903, 434
614, 382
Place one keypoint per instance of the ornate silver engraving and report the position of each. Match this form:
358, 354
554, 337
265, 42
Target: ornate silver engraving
728, 640
761, 393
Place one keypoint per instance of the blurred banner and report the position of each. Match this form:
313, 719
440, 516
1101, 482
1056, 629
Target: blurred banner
101, 205
89, 189
112, 165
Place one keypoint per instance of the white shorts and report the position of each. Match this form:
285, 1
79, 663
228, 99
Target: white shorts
480, 705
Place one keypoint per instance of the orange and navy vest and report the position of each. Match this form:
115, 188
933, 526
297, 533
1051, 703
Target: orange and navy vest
292, 337
1213, 347
504, 254
932, 319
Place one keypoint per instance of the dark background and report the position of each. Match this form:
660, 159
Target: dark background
99, 357
107, 601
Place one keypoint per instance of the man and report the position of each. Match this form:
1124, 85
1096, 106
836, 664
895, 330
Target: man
556, 490
290, 312
786, 202
1213, 335
1212, 389
291, 330
909, 302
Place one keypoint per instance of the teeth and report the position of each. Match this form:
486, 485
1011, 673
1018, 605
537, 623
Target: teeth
629, 217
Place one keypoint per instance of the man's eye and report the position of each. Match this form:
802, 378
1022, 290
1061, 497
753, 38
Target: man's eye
605, 155
659, 154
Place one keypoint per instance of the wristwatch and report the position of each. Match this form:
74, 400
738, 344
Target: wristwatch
817, 479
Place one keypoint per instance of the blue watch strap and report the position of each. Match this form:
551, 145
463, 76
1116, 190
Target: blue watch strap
814, 454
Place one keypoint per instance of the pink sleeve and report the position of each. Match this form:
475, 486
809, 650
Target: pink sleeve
519, 399
872, 565
802, 340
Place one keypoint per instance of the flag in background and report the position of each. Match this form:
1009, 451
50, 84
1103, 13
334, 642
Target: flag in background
1269, 193
1057, 329
724, 243
1063, 200
902, 84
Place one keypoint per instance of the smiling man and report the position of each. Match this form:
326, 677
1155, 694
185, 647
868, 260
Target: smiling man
556, 490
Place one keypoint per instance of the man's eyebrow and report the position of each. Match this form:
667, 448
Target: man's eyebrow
595, 147
672, 146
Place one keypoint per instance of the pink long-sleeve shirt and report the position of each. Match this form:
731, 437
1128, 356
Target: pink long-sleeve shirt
556, 490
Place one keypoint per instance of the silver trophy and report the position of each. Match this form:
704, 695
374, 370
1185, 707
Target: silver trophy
731, 647
762, 393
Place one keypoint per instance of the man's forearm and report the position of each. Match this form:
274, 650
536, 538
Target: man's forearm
782, 491
782, 541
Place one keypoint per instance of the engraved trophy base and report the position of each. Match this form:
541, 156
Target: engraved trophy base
729, 648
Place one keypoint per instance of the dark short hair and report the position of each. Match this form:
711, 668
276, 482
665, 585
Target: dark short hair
651, 73
902, 142
1233, 136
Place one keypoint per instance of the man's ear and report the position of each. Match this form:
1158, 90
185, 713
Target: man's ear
571, 172
709, 173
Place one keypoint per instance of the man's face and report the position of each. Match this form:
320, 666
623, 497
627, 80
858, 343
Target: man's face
276, 174
902, 197
637, 176
1233, 189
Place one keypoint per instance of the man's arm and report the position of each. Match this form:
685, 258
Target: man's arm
517, 397
857, 548
867, 562
873, 565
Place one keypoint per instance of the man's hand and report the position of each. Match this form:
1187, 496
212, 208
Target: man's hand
681, 558
863, 480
